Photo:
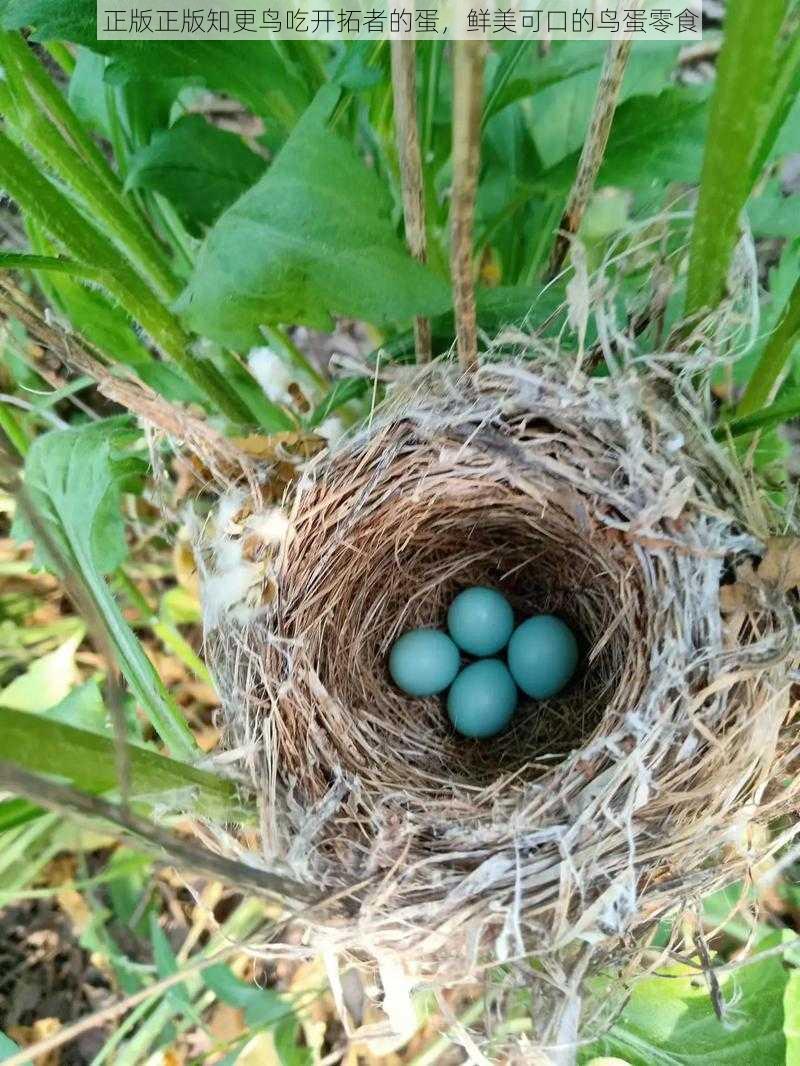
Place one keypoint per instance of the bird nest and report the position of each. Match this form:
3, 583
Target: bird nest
636, 790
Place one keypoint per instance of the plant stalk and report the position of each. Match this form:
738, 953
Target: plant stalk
469, 63
594, 148
404, 87
765, 379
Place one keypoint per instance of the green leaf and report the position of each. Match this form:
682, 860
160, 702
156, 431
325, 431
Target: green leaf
86, 760
739, 111
144, 103
312, 239
46, 682
167, 964
565, 86
654, 140
252, 71
82, 708
669, 1020
8, 1048
261, 1006
199, 168
75, 479
774, 215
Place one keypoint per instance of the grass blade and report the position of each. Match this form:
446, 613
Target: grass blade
738, 114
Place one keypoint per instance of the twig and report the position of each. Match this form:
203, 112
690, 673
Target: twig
470, 58
221, 456
178, 852
404, 89
594, 148
97, 1018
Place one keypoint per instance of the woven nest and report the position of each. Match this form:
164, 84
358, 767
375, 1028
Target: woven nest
642, 787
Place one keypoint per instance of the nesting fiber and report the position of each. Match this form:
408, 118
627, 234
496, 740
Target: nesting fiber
641, 788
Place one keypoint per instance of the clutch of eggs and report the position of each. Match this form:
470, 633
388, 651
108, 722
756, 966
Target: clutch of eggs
541, 653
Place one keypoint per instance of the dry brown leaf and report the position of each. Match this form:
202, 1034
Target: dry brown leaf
780, 566
26, 1035
226, 1023
309, 989
185, 566
74, 905
285, 446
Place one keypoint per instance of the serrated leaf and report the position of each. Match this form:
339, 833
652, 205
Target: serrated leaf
143, 104
74, 479
312, 239
199, 168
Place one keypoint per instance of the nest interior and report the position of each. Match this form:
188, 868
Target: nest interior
632, 792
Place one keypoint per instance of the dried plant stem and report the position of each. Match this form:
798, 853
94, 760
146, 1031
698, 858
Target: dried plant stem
121, 385
594, 148
187, 855
100, 1017
404, 88
470, 58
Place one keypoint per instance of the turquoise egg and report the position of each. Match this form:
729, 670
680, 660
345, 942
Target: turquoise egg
482, 699
542, 655
424, 661
480, 621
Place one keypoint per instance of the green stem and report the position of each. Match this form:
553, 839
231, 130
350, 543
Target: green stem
431, 96
167, 633
509, 63
47, 205
744, 77
44, 120
774, 358
444, 1044
56, 263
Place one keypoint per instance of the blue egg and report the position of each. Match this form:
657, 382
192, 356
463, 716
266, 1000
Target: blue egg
542, 655
424, 661
480, 621
482, 699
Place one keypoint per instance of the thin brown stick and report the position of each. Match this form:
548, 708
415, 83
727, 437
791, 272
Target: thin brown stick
470, 58
594, 148
404, 89
175, 850
100, 1017
222, 457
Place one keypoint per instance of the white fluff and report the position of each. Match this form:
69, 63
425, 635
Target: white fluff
271, 373
332, 429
